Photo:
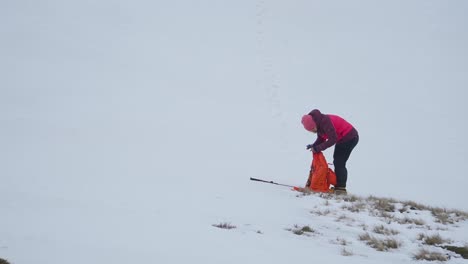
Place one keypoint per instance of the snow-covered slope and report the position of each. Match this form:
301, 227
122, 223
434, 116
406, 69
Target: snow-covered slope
129, 128
264, 221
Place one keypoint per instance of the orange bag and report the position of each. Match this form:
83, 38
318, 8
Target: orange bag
320, 176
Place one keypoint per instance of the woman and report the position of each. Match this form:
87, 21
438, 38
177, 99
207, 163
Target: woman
332, 130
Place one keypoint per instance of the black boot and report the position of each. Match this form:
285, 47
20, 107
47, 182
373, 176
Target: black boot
340, 191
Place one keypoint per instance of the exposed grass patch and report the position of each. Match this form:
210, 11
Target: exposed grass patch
390, 211
380, 244
380, 229
442, 216
225, 226
424, 254
433, 240
381, 237
462, 251
408, 221
355, 207
385, 207
414, 206
297, 230
387, 217
445, 216
351, 198
461, 215
321, 213
382, 204
4, 261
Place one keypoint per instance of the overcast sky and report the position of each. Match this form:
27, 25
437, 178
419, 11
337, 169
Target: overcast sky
100, 97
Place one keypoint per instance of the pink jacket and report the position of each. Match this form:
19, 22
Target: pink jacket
342, 127
331, 130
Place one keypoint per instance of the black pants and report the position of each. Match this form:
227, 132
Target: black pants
340, 157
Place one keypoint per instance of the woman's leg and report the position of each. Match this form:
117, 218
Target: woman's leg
340, 157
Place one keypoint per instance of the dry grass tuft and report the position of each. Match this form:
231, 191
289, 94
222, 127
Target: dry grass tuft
408, 221
442, 216
351, 198
415, 206
380, 244
433, 240
382, 204
225, 226
297, 230
321, 213
380, 229
445, 216
424, 254
355, 207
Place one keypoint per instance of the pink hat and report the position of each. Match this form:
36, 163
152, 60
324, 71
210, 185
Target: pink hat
308, 122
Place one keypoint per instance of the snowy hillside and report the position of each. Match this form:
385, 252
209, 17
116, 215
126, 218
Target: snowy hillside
278, 225
370, 229
129, 129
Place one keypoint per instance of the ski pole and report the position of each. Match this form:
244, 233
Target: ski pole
272, 182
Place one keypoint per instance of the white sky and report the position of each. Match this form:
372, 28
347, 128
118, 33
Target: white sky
118, 99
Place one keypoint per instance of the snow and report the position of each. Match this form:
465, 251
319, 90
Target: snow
129, 129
